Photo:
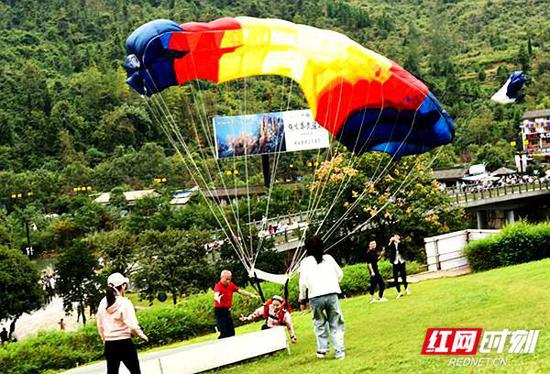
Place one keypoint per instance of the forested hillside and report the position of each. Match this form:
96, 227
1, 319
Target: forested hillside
67, 115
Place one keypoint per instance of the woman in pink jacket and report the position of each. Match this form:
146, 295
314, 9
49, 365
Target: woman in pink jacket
116, 323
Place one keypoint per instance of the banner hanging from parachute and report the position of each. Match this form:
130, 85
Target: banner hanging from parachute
268, 133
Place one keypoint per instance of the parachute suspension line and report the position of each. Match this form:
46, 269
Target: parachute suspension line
274, 170
314, 192
361, 225
201, 108
210, 138
314, 197
204, 157
277, 157
166, 130
312, 204
335, 226
354, 159
252, 259
318, 196
378, 178
389, 200
171, 121
332, 167
259, 289
382, 174
198, 100
364, 192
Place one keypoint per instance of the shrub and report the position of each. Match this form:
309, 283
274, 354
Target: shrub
515, 244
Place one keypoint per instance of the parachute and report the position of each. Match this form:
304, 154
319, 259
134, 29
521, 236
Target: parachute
365, 100
368, 102
509, 92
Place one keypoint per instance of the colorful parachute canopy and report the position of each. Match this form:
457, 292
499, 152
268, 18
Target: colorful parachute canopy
368, 102
509, 92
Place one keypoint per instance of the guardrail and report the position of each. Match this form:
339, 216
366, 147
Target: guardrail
460, 197
445, 252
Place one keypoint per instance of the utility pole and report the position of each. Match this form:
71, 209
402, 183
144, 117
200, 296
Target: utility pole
266, 170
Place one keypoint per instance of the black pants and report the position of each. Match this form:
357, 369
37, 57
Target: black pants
121, 350
224, 322
376, 279
399, 269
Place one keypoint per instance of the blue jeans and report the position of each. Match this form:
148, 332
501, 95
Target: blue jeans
327, 314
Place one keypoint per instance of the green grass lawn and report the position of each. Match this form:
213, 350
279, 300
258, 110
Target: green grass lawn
388, 337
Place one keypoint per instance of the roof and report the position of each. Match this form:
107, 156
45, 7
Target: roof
185, 193
478, 177
130, 196
180, 200
536, 114
449, 174
503, 171
140, 194
236, 192
103, 198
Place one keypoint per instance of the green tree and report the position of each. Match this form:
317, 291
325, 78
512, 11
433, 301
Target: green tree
77, 277
405, 199
117, 247
20, 291
523, 58
172, 261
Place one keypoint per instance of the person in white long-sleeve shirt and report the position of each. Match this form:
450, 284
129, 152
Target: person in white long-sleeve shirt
320, 278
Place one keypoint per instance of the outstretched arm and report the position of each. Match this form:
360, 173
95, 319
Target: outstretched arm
253, 316
246, 293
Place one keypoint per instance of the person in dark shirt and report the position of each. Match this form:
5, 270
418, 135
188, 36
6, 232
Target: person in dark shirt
398, 264
4, 337
375, 278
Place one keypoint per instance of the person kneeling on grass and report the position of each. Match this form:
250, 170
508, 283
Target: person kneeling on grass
275, 314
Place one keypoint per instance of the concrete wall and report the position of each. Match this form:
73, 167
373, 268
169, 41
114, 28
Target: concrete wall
444, 252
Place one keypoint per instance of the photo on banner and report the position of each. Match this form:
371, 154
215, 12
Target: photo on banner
268, 133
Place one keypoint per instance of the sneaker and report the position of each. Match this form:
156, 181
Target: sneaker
374, 301
382, 299
321, 354
340, 357
408, 291
399, 295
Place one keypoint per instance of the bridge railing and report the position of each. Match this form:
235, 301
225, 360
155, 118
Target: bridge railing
460, 197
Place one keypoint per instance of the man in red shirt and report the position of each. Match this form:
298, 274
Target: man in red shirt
223, 300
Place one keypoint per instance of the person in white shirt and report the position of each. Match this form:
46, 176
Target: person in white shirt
398, 264
320, 278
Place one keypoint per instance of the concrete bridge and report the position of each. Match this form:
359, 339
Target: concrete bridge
495, 207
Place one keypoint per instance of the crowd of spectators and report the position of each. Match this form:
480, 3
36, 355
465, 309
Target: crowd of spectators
495, 182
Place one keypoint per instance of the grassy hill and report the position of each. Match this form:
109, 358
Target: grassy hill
63, 85
388, 337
